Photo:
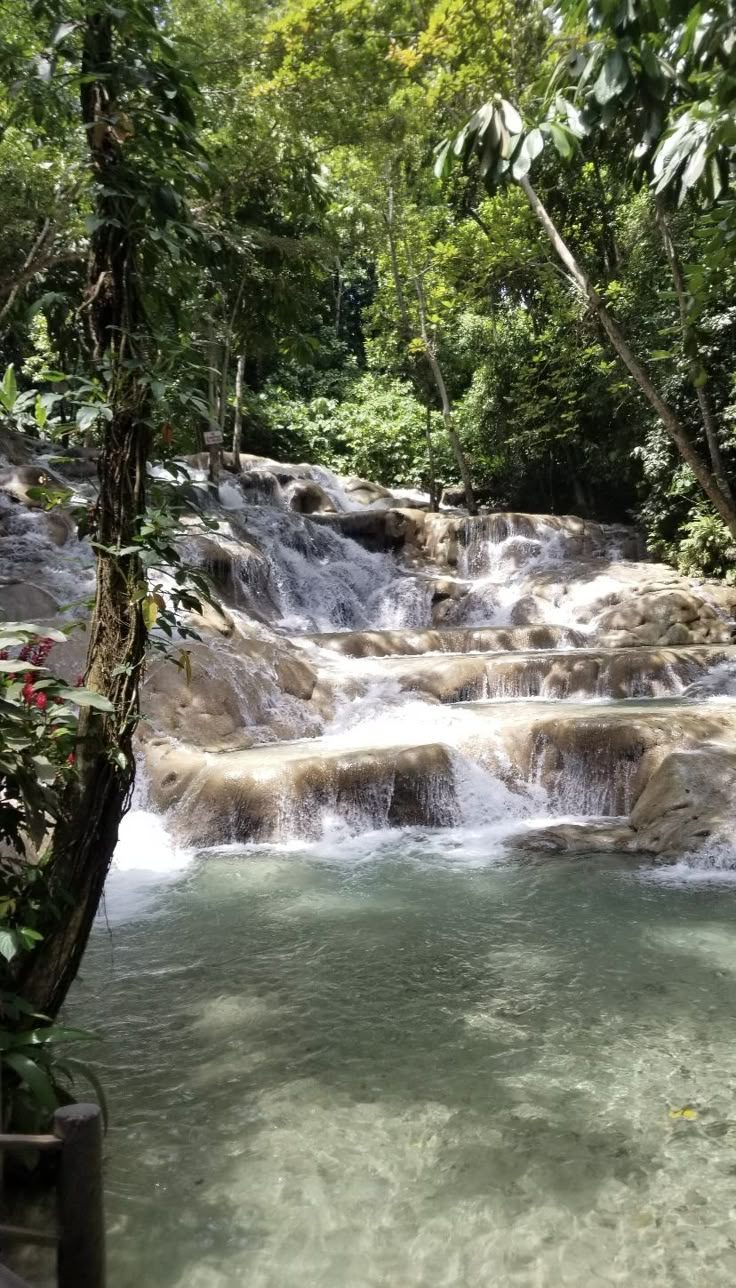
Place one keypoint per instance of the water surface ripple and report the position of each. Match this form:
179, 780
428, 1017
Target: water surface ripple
396, 1069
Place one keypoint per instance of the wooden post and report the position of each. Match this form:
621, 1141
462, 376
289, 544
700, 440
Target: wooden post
81, 1255
9, 1280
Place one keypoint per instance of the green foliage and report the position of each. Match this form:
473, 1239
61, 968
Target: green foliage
376, 429
37, 1073
705, 547
38, 734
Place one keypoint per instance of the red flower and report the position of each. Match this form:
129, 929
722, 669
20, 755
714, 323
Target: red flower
41, 651
80, 682
70, 758
41, 701
27, 691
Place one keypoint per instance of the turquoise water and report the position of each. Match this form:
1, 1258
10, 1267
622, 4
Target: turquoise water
418, 1064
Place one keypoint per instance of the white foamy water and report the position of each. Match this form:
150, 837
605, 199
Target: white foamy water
29, 555
322, 581
146, 859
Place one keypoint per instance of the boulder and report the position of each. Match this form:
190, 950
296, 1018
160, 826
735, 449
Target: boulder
20, 601
308, 498
264, 794
243, 690
364, 491
60, 526
688, 800
594, 836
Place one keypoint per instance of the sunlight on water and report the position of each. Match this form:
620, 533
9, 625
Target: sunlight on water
392, 1064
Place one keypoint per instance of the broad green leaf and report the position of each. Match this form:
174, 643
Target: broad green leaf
9, 389
612, 78
55, 1033
574, 120
87, 416
487, 156
150, 609
695, 166
458, 143
511, 118
522, 162
479, 122
9, 944
443, 160
45, 771
62, 31
561, 141
534, 143
87, 698
35, 1078
28, 630
653, 71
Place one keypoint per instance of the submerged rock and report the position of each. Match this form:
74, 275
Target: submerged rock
592, 836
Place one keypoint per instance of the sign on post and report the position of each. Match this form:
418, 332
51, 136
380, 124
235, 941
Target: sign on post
213, 437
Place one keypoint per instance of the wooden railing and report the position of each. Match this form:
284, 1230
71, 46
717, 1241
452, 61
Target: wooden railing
80, 1234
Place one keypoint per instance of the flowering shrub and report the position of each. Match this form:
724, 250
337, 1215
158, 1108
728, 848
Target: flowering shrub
38, 738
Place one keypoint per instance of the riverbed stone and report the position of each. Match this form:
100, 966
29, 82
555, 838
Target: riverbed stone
592, 836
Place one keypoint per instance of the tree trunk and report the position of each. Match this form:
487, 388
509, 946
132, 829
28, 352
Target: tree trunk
433, 493
238, 423
338, 297
86, 834
675, 429
696, 365
408, 333
213, 418
439, 380
28, 269
455, 443
225, 375
406, 328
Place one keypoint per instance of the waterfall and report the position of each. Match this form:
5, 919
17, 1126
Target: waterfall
374, 666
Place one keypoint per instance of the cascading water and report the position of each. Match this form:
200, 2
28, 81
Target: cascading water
367, 1040
371, 625
317, 579
398, 654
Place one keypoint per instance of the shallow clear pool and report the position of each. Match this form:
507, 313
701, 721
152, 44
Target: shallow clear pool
401, 1067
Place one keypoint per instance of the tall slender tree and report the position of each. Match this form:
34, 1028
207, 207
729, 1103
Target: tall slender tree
136, 111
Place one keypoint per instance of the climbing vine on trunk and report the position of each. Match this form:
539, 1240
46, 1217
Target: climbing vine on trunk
136, 113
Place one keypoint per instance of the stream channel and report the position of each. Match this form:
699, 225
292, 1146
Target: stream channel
360, 1029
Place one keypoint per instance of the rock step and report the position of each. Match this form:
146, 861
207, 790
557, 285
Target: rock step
584, 760
442, 538
550, 674
445, 639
